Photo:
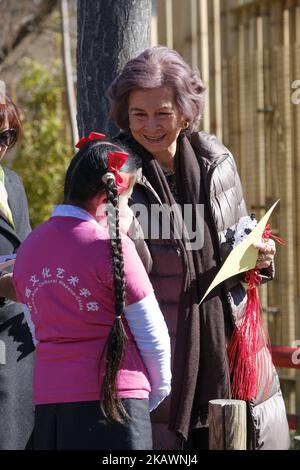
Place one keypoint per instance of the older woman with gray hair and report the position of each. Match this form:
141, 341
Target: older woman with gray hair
157, 102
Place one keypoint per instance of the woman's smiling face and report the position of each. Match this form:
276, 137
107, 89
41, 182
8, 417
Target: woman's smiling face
154, 120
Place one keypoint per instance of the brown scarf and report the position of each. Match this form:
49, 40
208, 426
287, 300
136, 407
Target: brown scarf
200, 370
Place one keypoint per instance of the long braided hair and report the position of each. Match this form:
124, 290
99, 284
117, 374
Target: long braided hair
84, 181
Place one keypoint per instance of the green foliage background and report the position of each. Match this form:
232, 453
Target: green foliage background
45, 150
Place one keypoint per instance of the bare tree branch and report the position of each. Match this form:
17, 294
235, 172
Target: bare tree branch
29, 21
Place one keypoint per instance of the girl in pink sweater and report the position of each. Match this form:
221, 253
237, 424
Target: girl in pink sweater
98, 330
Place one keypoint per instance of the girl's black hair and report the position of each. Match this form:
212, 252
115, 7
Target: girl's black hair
84, 181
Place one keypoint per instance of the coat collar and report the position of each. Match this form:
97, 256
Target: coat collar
68, 210
5, 228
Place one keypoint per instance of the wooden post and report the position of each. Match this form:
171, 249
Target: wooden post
185, 30
217, 69
227, 425
276, 136
297, 443
260, 137
204, 59
296, 112
232, 120
68, 69
242, 99
288, 197
165, 22
248, 113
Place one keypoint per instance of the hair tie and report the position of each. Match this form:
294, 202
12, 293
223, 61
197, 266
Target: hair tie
108, 176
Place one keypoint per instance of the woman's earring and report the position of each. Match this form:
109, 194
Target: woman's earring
185, 124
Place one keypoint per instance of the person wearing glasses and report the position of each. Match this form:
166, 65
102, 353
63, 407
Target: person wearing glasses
16, 346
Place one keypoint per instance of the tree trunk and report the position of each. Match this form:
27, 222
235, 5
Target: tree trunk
110, 32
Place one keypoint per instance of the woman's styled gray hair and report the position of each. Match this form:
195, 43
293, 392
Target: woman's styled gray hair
156, 67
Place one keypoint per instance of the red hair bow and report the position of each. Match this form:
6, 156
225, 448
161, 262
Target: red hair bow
92, 136
116, 160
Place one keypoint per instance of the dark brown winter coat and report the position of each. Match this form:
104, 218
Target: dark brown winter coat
268, 427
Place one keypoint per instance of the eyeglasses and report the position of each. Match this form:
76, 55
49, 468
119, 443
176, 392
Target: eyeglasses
8, 137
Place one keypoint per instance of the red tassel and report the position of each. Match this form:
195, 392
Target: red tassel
268, 234
248, 363
249, 356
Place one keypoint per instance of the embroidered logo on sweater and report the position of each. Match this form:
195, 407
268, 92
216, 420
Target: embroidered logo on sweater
59, 276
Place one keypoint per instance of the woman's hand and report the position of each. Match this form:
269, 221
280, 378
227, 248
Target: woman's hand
266, 253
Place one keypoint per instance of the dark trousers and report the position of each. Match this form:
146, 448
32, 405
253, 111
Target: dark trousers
198, 440
81, 426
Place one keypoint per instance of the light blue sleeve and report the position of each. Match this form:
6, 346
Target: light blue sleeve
150, 332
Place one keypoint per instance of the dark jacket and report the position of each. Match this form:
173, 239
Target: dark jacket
267, 418
16, 347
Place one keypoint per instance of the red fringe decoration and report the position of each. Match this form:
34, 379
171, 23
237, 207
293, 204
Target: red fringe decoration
247, 340
248, 351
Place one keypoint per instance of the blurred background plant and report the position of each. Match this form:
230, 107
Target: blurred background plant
45, 148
